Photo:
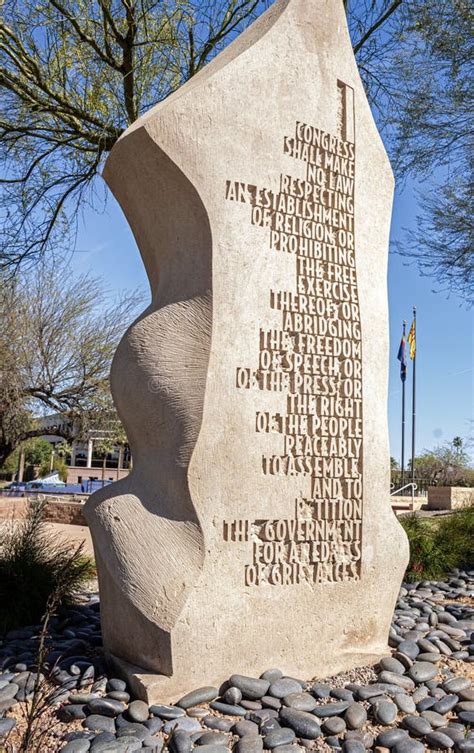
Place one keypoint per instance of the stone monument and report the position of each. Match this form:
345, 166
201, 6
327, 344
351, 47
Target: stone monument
255, 529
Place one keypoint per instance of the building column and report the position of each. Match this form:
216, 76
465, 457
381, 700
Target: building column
89, 452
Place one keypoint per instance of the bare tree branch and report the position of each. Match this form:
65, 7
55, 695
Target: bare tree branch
56, 345
378, 23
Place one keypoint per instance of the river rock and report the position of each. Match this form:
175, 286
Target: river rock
245, 727
389, 664
436, 720
106, 707
400, 680
439, 741
389, 738
232, 696
409, 746
201, 695
355, 716
421, 671
405, 703
180, 742
281, 736
138, 711
417, 726
167, 712
250, 687
335, 725
249, 744
284, 687
385, 712
99, 723
456, 684
331, 709
301, 701
304, 724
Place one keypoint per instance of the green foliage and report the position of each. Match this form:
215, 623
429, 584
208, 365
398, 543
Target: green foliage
37, 452
59, 465
432, 128
445, 465
426, 561
455, 536
76, 73
34, 567
439, 544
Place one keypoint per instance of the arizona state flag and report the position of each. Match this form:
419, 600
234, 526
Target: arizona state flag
412, 340
402, 357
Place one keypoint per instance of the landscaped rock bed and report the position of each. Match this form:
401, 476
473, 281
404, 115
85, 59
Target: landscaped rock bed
419, 698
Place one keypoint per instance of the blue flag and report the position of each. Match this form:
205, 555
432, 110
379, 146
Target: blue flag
402, 357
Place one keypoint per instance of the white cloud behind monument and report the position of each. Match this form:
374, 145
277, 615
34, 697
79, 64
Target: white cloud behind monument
255, 528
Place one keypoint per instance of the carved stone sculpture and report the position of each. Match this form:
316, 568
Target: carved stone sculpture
255, 528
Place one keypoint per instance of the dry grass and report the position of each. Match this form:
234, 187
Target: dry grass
49, 733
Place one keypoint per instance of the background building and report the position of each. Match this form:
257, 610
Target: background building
87, 459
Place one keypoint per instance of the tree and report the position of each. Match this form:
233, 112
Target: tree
37, 452
57, 460
432, 129
75, 74
56, 344
107, 441
445, 465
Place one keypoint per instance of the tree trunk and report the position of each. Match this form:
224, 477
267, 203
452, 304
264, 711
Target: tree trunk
6, 448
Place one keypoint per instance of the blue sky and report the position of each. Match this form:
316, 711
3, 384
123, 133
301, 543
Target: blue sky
445, 394
445, 352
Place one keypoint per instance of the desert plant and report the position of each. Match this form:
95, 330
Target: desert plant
439, 545
426, 561
36, 569
455, 537
67, 578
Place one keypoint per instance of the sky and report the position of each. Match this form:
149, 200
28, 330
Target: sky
445, 348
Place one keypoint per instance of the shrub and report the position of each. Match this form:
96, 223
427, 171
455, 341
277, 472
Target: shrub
455, 537
59, 465
37, 452
437, 545
426, 561
34, 564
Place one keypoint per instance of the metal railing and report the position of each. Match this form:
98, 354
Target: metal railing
396, 492
398, 480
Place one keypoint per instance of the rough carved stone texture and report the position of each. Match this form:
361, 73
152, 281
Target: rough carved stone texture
255, 529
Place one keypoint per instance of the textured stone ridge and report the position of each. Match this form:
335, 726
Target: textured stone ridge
253, 530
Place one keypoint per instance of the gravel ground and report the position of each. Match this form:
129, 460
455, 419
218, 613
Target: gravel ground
419, 698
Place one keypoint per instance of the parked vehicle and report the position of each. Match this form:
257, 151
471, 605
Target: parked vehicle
15, 489
44, 486
41, 485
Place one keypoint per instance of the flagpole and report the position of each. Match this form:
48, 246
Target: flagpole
403, 421
413, 418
